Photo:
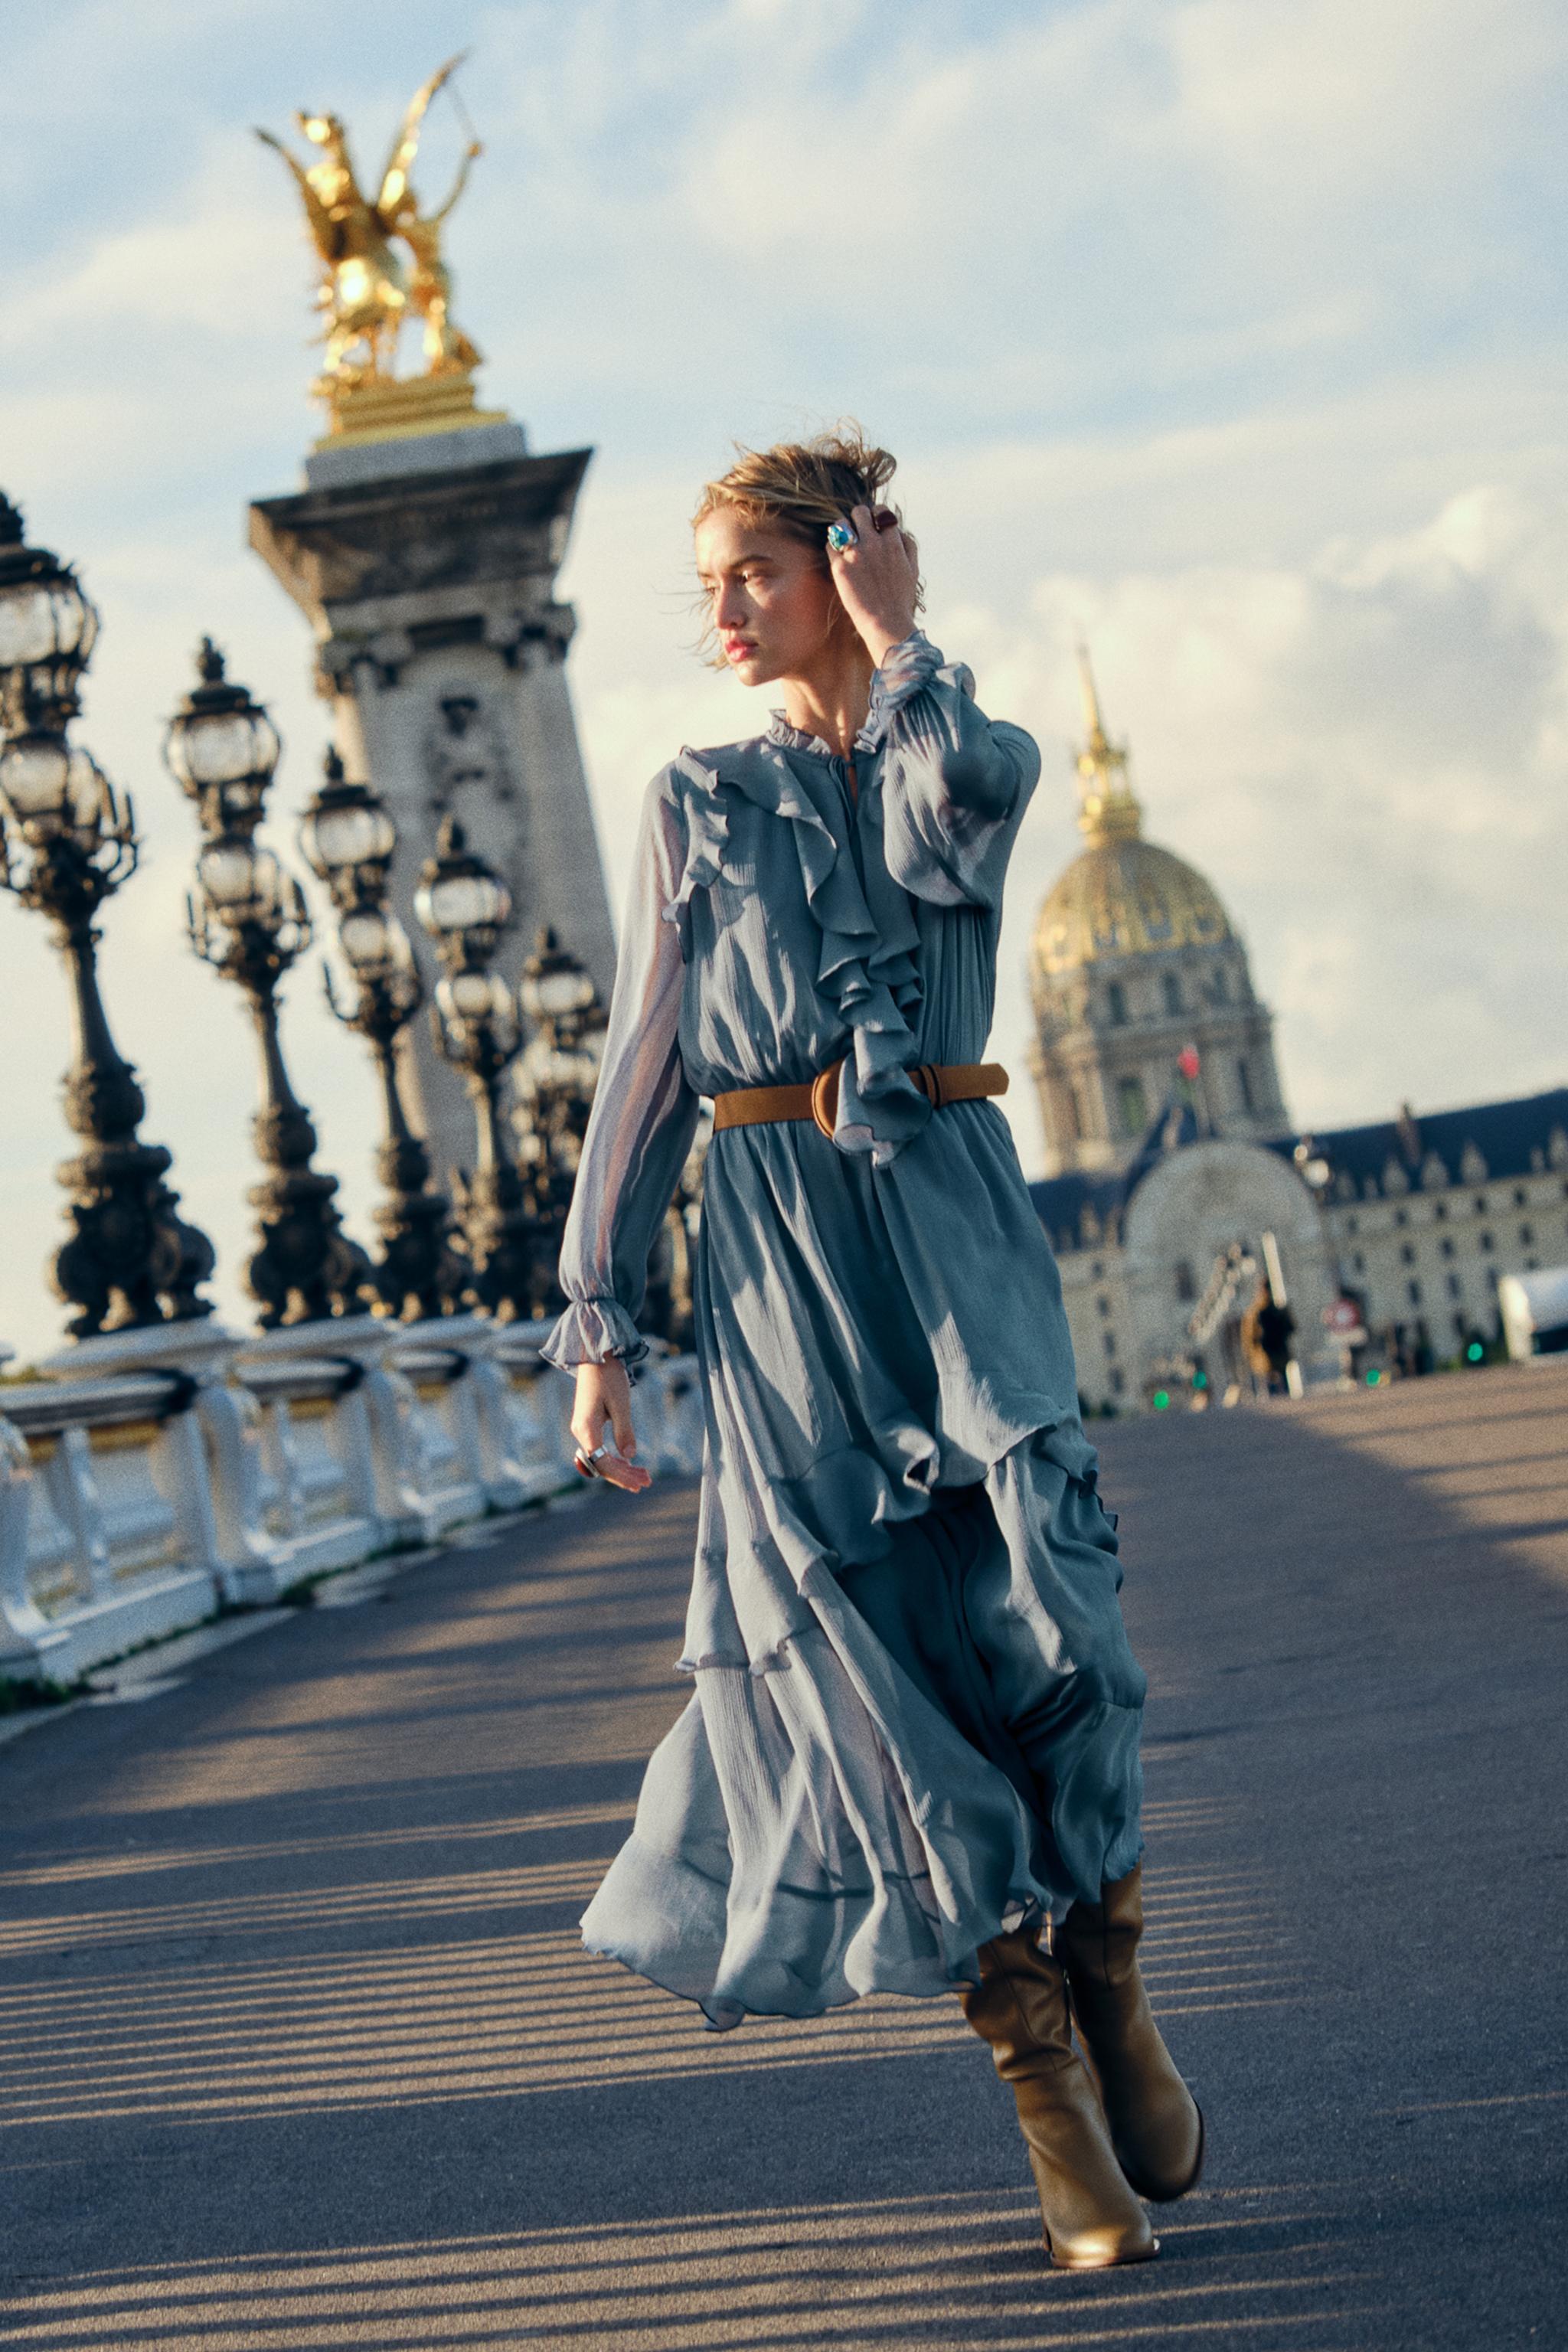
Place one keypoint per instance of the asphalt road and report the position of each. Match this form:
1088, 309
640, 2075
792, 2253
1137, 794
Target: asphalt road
300, 2049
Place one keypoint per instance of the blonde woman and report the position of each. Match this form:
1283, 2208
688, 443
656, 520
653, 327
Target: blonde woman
910, 1763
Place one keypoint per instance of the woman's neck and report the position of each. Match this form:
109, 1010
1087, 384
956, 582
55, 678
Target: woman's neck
832, 698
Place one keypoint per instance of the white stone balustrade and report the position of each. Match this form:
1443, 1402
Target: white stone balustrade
156, 1476
107, 1528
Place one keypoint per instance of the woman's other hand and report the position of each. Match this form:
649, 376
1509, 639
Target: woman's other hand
877, 580
605, 1398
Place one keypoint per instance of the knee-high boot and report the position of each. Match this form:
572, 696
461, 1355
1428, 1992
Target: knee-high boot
1090, 2216
1156, 2125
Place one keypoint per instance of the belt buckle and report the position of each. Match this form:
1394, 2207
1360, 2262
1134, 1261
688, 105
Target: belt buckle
825, 1097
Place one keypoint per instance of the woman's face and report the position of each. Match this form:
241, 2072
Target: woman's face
770, 598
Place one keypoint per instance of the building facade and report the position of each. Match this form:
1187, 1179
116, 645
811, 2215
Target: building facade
1176, 1188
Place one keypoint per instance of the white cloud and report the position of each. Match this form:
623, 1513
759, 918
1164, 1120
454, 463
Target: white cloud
1228, 331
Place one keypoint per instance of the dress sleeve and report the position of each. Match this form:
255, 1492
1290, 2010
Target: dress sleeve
955, 784
643, 1120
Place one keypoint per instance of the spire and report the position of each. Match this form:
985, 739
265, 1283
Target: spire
1107, 808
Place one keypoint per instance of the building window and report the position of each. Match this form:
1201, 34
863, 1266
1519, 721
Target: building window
1219, 985
1402, 1216
1526, 1237
1483, 1240
1440, 1209
1097, 1271
1358, 1263
1446, 1246
1110, 1343
1520, 1197
1173, 1004
1480, 1204
1350, 1226
1116, 1004
1244, 1086
1117, 1382
1134, 1106
1456, 1287
1075, 1115
1186, 1285
1406, 1253
1414, 1289
1104, 1305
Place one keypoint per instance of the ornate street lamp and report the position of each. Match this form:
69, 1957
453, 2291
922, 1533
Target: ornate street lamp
465, 907
222, 748
68, 843
349, 839
552, 1091
248, 919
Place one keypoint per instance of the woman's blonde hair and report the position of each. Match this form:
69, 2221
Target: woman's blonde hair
799, 488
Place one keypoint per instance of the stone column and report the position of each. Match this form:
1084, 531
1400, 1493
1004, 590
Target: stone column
427, 566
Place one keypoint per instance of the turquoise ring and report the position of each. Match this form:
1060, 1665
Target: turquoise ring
841, 535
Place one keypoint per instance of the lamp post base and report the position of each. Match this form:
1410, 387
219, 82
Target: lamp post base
131, 1259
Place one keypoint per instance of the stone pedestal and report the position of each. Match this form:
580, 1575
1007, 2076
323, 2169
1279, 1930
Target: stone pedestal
427, 566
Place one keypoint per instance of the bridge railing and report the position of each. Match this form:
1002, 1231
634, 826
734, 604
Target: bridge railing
140, 1500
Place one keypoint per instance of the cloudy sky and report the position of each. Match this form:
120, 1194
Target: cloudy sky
1227, 333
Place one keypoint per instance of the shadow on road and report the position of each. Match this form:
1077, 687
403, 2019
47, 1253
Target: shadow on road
302, 2049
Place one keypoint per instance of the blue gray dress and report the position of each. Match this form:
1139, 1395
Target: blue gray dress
916, 1714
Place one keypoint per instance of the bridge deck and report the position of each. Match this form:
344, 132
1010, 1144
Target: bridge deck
301, 2048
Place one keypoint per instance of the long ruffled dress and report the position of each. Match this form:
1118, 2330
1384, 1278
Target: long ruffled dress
916, 1713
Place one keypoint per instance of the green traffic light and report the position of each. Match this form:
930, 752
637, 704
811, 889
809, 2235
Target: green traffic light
1474, 1352
1200, 1380
1162, 1398
1373, 1378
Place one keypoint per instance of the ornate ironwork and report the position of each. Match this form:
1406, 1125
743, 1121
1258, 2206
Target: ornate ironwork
248, 919
222, 748
553, 1093
68, 841
349, 840
465, 907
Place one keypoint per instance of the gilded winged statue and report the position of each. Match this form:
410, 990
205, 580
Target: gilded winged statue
367, 287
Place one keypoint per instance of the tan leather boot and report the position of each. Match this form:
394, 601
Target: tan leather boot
1092, 2218
1156, 2125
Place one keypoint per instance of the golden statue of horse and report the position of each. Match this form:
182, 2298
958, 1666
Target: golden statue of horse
367, 289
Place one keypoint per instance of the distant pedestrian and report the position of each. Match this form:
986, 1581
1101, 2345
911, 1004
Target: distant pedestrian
1268, 1330
912, 1745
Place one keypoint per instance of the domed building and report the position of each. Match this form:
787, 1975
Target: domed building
1134, 966
1176, 1189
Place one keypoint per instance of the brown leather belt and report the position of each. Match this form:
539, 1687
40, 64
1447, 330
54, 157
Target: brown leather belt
817, 1099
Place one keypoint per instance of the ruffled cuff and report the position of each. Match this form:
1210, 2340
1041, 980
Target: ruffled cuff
590, 1330
904, 669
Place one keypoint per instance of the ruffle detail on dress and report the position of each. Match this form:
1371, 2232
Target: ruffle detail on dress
706, 834
868, 964
905, 668
590, 1330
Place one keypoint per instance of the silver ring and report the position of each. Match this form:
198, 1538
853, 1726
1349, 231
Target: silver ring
841, 535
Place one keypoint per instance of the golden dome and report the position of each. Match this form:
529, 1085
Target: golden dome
1123, 896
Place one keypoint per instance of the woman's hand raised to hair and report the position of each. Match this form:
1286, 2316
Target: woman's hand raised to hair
876, 580
605, 1398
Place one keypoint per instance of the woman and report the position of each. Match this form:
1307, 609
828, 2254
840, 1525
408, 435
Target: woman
912, 1745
